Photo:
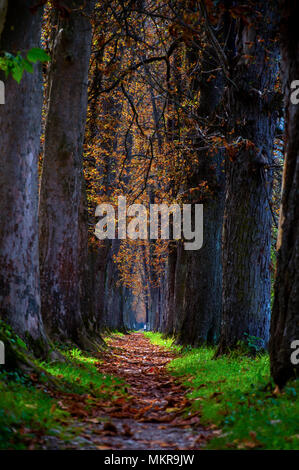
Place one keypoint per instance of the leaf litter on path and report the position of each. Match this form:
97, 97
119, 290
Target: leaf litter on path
154, 415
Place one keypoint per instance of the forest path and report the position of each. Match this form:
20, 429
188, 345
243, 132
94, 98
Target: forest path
153, 416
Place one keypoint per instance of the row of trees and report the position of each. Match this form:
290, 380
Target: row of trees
177, 102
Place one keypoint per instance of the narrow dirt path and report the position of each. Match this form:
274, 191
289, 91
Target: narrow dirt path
155, 415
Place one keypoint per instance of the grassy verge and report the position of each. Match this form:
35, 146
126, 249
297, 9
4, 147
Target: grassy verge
109, 335
30, 408
235, 394
159, 340
26, 413
80, 375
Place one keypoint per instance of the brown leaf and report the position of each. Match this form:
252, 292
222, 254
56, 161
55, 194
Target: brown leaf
110, 427
126, 430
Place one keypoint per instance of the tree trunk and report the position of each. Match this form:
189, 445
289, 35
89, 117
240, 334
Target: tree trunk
247, 219
285, 315
200, 302
20, 120
113, 301
180, 288
170, 289
91, 300
61, 184
201, 309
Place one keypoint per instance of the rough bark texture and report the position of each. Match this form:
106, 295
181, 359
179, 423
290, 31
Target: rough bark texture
180, 288
113, 293
170, 290
60, 192
285, 315
195, 277
20, 121
91, 300
247, 219
201, 308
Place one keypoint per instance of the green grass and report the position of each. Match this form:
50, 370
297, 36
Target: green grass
28, 412
109, 335
157, 338
235, 394
80, 375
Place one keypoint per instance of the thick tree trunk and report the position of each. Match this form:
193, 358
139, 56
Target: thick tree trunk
129, 318
200, 296
170, 290
61, 184
180, 288
20, 120
247, 219
113, 293
91, 300
201, 309
285, 315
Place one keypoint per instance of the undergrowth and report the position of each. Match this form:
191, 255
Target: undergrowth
30, 408
236, 395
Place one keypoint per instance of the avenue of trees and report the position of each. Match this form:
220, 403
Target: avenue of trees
174, 102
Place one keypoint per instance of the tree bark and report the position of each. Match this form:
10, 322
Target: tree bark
199, 297
61, 183
168, 330
201, 309
247, 219
20, 120
285, 314
113, 293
